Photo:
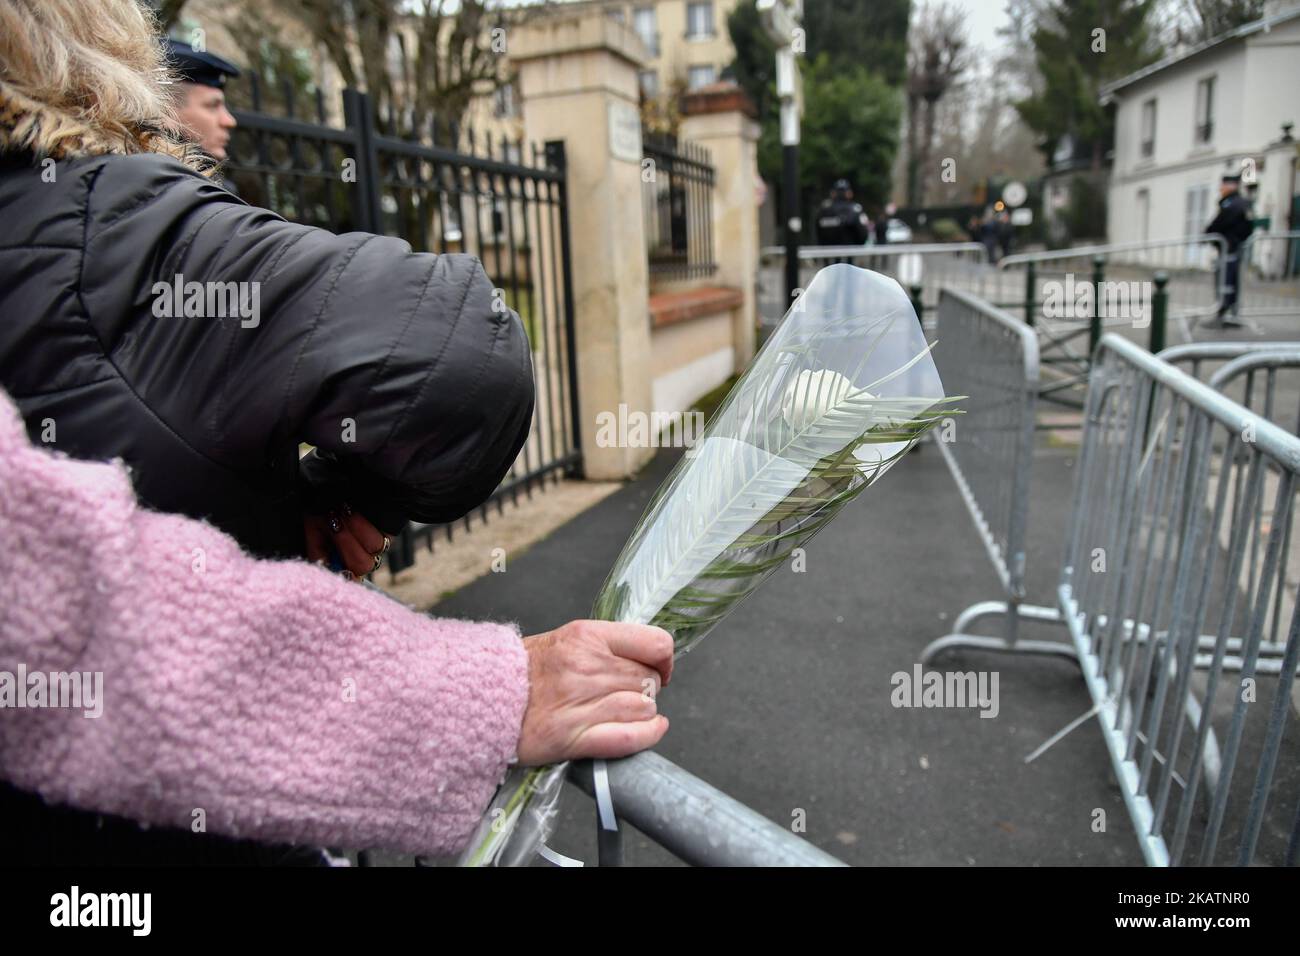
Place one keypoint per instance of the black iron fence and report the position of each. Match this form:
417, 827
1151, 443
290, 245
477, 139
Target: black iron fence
677, 200
502, 201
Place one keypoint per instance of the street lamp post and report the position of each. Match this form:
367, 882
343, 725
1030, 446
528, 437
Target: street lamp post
781, 19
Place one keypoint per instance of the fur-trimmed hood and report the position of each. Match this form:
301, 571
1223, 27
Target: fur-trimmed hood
29, 126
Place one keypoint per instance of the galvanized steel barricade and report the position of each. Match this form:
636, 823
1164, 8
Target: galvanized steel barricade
1269, 275
689, 818
922, 269
993, 359
1155, 564
1072, 296
1265, 378
1194, 265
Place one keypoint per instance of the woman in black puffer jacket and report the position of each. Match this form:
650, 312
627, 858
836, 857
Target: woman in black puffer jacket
415, 391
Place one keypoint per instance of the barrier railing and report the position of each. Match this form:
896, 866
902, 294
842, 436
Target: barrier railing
1149, 497
1260, 375
1193, 266
1265, 378
1159, 547
1073, 296
991, 358
693, 820
920, 268
1269, 275
696, 822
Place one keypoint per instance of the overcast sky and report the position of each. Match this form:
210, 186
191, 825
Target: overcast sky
983, 18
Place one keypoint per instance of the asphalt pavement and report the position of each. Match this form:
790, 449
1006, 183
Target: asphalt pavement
788, 705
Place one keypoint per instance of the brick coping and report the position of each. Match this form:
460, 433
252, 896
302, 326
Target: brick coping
669, 308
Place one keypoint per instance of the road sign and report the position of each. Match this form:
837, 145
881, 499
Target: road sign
1014, 193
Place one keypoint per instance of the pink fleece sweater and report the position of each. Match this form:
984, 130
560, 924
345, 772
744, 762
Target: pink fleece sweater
286, 704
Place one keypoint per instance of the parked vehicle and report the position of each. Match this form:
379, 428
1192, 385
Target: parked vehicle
897, 231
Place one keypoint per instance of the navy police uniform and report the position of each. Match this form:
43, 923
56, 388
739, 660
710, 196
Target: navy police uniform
198, 66
1233, 223
841, 221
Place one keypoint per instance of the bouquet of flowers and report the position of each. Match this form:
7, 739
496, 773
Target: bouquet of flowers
836, 397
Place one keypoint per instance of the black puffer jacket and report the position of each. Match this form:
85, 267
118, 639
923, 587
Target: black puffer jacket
416, 391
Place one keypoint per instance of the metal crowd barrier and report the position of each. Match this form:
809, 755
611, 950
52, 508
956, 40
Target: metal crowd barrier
1170, 530
1269, 275
1265, 378
920, 268
1236, 369
1162, 598
993, 359
696, 822
693, 820
1193, 266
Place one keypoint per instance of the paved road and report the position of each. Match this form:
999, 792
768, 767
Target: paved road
786, 706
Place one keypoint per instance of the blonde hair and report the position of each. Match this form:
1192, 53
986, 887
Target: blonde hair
79, 79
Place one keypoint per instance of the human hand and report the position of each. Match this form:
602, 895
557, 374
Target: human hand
358, 542
591, 691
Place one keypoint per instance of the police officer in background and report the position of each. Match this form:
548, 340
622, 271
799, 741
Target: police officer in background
201, 97
1234, 224
841, 221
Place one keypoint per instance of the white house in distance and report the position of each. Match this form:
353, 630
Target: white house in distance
1222, 106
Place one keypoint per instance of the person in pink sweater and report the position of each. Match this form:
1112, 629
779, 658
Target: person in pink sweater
271, 699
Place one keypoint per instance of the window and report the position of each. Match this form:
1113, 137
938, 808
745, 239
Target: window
649, 83
643, 22
1144, 214
1148, 129
1196, 216
450, 219
701, 76
1205, 110
699, 20
504, 101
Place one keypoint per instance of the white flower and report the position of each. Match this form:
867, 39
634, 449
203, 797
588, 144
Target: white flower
812, 394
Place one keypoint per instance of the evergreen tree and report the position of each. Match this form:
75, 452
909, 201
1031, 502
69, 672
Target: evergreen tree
853, 66
1079, 46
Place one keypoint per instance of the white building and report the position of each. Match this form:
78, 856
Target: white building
1183, 122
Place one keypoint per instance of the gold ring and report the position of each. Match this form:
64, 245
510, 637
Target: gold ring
379, 559
387, 542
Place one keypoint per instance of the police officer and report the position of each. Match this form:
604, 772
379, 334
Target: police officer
201, 98
841, 221
1233, 223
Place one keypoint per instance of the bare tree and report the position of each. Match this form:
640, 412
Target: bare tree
1210, 18
419, 59
936, 61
